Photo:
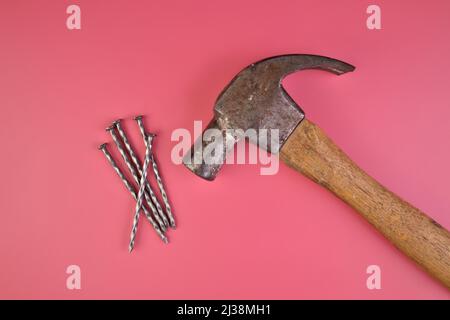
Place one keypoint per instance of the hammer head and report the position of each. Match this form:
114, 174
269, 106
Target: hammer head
255, 99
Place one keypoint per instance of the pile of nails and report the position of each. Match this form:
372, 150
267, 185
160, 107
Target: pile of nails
142, 193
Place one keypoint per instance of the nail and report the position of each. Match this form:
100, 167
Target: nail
135, 174
130, 188
138, 166
141, 126
140, 197
140, 123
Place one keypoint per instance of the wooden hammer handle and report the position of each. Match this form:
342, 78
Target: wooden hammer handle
309, 151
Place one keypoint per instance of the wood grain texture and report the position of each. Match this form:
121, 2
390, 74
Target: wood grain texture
309, 151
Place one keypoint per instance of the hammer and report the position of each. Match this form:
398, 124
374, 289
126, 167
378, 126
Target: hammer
256, 99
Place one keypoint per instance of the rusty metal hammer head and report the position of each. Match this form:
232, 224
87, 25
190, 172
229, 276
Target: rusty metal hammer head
256, 99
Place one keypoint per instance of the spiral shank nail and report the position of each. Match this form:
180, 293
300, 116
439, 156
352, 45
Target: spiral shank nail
135, 175
158, 206
130, 188
140, 199
163, 193
141, 127
140, 123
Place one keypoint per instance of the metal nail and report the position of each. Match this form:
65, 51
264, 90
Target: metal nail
140, 197
135, 175
140, 123
138, 166
130, 188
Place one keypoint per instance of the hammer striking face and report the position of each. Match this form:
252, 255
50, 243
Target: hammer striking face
255, 99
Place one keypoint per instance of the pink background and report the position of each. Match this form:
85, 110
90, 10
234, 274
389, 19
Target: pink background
245, 235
